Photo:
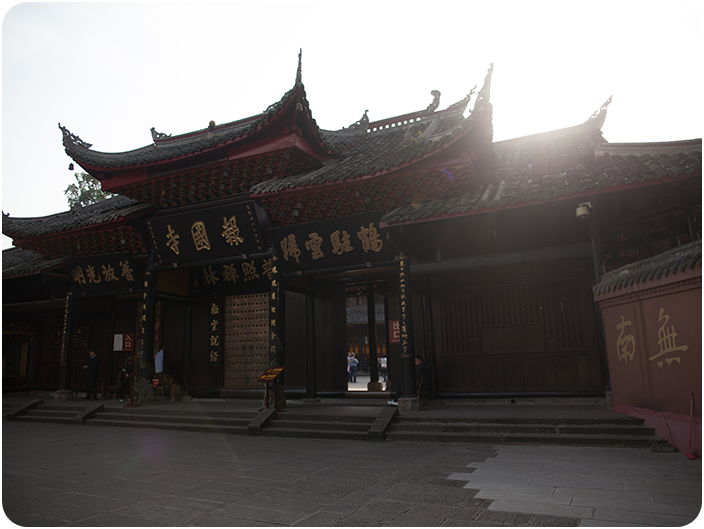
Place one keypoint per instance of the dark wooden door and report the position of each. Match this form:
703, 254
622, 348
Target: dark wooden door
528, 336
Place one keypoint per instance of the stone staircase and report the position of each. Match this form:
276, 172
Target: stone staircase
212, 421
373, 423
54, 414
625, 432
321, 426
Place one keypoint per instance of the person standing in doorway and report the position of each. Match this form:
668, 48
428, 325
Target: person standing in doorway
383, 367
159, 363
125, 374
352, 363
92, 368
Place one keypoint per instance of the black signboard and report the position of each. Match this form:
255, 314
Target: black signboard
250, 275
102, 273
206, 234
345, 242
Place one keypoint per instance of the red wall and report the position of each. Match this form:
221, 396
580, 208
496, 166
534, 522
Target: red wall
654, 345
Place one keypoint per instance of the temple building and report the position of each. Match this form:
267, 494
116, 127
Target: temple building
556, 265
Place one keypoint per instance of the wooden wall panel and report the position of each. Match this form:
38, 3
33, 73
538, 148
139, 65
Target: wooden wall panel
530, 335
295, 340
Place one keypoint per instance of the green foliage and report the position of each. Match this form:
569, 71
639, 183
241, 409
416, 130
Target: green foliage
87, 191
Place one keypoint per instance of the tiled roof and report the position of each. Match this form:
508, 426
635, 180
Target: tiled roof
167, 148
19, 262
559, 164
357, 314
101, 212
382, 151
394, 143
667, 263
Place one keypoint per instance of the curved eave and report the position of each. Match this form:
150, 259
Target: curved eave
24, 240
32, 268
206, 141
425, 214
68, 221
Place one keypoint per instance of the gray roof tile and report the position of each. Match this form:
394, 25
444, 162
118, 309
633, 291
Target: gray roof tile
103, 211
20, 262
667, 263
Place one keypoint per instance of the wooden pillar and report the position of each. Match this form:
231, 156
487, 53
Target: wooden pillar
374, 384
187, 335
109, 356
146, 347
429, 342
597, 265
409, 399
66, 356
311, 372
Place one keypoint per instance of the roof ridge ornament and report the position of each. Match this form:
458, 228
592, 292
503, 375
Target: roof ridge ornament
436, 101
70, 138
159, 135
461, 105
299, 74
485, 92
601, 112
361, 123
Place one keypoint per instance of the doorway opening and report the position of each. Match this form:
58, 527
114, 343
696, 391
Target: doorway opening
360, 371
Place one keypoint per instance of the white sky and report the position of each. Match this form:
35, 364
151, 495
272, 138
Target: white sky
111, 71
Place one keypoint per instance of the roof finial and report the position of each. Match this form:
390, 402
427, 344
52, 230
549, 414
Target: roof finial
159, 135
299, 77
485, 92
70, 138
600, 116
436, 101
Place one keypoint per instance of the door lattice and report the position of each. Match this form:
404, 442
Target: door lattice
246, 345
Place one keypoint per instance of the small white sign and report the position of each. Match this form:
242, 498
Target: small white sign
117, 343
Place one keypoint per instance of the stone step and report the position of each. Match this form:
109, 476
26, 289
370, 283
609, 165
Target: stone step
320, 425
405, 419
49, 412
57, 419
277, 431
325, 418
503, 438
181, 413
158, 418
525, 428
182, 426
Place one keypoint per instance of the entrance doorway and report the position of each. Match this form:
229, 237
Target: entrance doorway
246, 340
359, 340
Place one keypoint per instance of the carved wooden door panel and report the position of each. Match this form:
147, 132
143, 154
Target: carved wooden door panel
246, 343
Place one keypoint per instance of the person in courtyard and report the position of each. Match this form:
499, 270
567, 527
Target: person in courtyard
159, 363
92, 368
383, 367
421, 370
125, 374
352, 363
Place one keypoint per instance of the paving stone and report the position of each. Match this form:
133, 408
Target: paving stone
578, 483
598, 494
651, 519
493, 494
201, 479
541, 508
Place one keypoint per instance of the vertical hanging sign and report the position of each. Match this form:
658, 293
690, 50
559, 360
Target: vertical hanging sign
274, 320
404, 308
67, 331
215, 333
146, 303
